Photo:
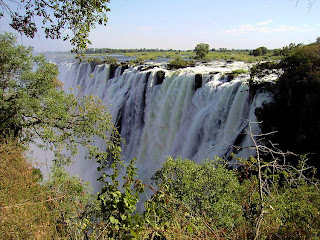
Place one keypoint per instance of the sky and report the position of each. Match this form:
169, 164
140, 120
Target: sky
182, 24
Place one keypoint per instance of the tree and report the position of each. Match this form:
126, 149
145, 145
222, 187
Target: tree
202, 49
77, 16
33, 105
260, 51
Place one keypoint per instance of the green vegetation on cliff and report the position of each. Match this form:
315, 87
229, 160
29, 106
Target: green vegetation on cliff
294, 113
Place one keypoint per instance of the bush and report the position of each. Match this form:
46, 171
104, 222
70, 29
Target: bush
110, 60
178, 62
209, 201
95, 61
207, 188
236, 73
239, 71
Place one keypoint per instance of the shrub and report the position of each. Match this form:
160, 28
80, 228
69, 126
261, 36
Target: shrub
209, 201
95, 61
206, 190
178, 62
239, 71
110, 60
141, 60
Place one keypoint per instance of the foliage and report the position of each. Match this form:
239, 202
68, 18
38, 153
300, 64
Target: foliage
178, 62
202, 49
110, 60
288, 208
141, 59
265, 198
33, 105
287, 50
72, 207
209, 201
79, 17
296, 102
149, 54
263, 69
207, 188
117, 207
239, 71
95, 61
236, 73
19, 83
259, 51
191, 201
275, 178
303, 64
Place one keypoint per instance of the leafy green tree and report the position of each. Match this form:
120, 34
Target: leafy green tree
34, 105
288, 50
57, 15
260, 51
202, 49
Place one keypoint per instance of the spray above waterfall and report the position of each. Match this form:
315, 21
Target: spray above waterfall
195, 113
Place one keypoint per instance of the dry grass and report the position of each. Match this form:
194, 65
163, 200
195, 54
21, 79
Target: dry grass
23, 211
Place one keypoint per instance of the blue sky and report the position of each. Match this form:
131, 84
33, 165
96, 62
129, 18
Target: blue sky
181, 24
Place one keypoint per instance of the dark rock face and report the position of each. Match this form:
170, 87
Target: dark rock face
197, 81
113, 68
230, 77
124, 66
295, 116
160, 76
143, 102
145, 68
213, 73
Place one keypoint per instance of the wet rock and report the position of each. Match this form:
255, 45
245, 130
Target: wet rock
160, 76
197, 81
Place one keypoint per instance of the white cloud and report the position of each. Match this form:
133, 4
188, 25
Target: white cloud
264, 23
262, 28
286, 28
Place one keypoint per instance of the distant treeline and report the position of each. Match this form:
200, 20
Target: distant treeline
134, 50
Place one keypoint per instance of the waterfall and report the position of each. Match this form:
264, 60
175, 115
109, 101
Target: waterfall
195, 113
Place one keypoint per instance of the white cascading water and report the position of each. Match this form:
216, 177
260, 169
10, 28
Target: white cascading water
172, 118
